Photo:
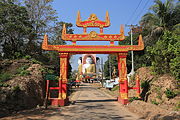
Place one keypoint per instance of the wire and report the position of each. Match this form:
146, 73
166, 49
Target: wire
134, 12
142, 10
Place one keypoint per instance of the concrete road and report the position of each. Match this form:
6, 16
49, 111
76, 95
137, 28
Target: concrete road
90, 103
93, 104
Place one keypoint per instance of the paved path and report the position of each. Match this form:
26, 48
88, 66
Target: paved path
90, 103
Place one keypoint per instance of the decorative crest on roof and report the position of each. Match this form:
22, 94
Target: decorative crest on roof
93, 21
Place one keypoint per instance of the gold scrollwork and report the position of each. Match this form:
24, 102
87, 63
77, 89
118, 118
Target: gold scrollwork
63, 95
124, 95
93, 34
93, 17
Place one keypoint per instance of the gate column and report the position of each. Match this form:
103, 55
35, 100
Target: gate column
123, 83
63, 98
64, 60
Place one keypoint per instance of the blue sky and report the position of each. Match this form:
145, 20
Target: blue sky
120, 12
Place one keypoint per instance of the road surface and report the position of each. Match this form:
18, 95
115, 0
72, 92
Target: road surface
89, 103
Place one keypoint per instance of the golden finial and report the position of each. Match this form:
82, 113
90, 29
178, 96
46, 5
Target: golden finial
140, 41
107, 19
45, 42
122, 29
63, 32
78, 17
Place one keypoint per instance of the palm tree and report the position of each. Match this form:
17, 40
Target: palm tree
163, 16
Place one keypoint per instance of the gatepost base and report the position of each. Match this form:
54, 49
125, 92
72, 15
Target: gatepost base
59, 102
123, 101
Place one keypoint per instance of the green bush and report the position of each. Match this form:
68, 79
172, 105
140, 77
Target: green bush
177, 107
17, 55
16, 89
36, 61
15, 92
165, 54
50, 71
154, 102
175, 67
5, 76
115, 88
3, 85
51, 77
22, 71
27, 57
159, 92
169, 93
144, 84
133, 98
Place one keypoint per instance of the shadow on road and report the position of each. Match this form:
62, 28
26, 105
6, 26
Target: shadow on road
87, 101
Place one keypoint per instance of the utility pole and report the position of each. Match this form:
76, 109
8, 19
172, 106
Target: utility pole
132, 53
102, 70
109, 67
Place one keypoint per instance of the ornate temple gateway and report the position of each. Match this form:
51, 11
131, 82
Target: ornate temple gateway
65, 51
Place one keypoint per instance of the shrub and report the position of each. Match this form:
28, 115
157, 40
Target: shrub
16, 89
17, 55
5, 76
22, 71
154, 102
115, 88
159, 92
27, 57
145, 84
133, 98
3, 85
175, 67
177, 107
169, 93
165, 54
15, 92
36, 61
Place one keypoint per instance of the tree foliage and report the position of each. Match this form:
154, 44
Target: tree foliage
15, 28
165, 54
161, 46
23, 24
162, 16
42, 16
109, 65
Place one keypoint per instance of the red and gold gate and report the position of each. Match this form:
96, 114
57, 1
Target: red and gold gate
66, 50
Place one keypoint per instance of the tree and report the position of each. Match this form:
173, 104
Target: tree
42, 16
163, 16
55, 39
15, 28
109, 65
165, 54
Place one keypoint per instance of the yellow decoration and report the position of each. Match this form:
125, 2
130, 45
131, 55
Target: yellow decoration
124, 95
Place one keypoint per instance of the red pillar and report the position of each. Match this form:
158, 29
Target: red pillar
111, 42
101, 30
62, 99
85, 30
123, 83
138, 86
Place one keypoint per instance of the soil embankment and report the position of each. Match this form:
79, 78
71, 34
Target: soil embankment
21, 86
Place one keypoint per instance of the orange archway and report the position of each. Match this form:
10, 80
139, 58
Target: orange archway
65, 51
